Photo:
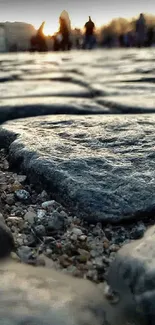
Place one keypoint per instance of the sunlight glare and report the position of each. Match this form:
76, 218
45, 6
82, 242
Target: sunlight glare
50, 28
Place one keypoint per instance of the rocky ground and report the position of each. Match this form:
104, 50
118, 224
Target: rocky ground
45, 233
105, 161
98, 166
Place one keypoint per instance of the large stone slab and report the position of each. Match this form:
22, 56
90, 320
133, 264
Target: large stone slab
132, 275
102, 167
39, 88
129, 103
26, 107
125, 88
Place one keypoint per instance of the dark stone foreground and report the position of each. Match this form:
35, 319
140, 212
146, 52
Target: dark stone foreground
132, 278
102, 167
46, 297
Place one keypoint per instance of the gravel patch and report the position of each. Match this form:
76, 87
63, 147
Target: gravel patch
46, 233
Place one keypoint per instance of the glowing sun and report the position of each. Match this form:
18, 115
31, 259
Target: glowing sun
50, 28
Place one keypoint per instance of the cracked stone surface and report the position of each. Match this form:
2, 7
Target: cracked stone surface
105, 82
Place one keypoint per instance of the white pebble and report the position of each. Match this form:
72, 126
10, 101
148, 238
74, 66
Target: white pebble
41, 214
47, 204
77, 231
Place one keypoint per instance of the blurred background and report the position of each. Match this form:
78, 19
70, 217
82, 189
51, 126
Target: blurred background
47, 26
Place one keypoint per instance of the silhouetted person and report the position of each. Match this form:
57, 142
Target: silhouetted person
121, 40
150, 36
141, 31
65, 43
89, 41
38, 42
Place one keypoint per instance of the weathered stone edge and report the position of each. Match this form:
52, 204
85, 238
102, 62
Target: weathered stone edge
42, 173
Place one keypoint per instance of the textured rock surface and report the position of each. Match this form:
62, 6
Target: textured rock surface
101, 166
133, 273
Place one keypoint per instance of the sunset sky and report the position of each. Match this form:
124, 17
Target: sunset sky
35, 11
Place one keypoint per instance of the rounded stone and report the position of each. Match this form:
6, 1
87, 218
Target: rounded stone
22, 195
30, 217
10, 200
138, 231
77, 231
40, 230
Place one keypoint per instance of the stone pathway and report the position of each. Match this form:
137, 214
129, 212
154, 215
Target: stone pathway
117, 81
97, 169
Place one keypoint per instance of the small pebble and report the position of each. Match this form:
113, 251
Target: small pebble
73, 237
48, 205
138, 231
41, 214
83, 238
40, 230
114, 248
22, 195
16, 186
20, 178
30, 217
10, 200
77, 231
24, 253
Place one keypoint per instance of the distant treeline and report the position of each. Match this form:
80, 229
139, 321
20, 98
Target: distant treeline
119, 26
